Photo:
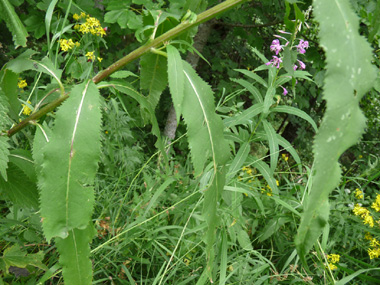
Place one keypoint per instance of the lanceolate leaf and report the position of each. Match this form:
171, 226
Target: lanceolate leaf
273, 144
349, 75
244, 117
205, 128
75, 256
70, 163
8, 84
153, 77
13, 23
176, 78
296, 112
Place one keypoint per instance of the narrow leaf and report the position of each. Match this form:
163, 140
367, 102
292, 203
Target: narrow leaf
273, 144
252, 89
254, 76
70, 163
13, 23
267, 173
296, 112
244, 117
176, 79
349, 76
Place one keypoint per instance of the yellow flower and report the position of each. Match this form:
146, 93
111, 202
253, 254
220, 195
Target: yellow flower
93, 26
67, 45
99, 59
360, 156
368, 219
374, 253
333, 258
368, 236
359, 194
332, 266
90, 55
76, 17
285, 157
26, 110
22, 83
277, 183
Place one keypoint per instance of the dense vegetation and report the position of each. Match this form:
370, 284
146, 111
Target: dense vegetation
189, 142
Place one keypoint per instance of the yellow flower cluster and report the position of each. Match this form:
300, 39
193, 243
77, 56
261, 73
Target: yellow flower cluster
90, 56
333, 259
67, 45
374, 250
364, 214
22, 83
91, 25
26, 110
285, 156
376, 204
359, 194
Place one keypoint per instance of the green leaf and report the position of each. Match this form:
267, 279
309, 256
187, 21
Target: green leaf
70, 163
244, 240
289, 148
23, 159
290, 58
268, 100
349, 76
176, 79
254, 76
205, 128
252, 89
239, 160
75, 256
19, 188
244, 117
273, 144
296, 112
272, 226
13, 23
153, 76
14, 256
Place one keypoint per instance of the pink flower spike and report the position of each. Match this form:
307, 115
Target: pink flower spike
302, 65
275, 62
285, 91
275, 46
302, 46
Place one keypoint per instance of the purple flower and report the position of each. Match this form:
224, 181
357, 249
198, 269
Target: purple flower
302, 46
295, 67
285, 91
302, 65
275, 62
275, 46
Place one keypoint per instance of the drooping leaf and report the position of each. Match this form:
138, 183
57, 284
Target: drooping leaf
244, 117
153, 76
75, 255
13, 23
25, 62
70, 163
176, 79
349, 76
238, 161
205, 128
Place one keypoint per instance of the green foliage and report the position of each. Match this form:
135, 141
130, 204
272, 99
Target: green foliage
349, 75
